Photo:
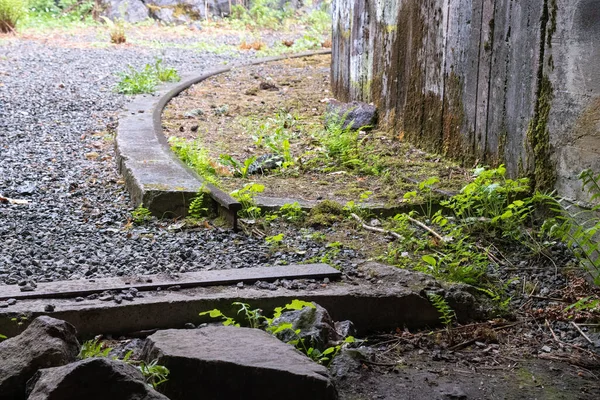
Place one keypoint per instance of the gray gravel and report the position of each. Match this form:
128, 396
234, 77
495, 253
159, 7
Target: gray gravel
55, 106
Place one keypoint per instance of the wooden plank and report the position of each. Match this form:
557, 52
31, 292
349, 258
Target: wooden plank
85, 287
434, 75
496, 116
486, 41
459, 93
521, 84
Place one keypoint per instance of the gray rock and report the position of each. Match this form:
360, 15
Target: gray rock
132, 11
345, 328
167, 16
315, 324
224, 362
354, 115
348, 361
265, 163
91, 379
47, 342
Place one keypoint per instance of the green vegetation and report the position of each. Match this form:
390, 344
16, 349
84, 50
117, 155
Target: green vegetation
141, 215
579, 228
116, 30
197, 208
261, 14
153, 373
11, 11
145, 81
196, 156
441, 305
254, 318
292, 212
59, 14
246, 196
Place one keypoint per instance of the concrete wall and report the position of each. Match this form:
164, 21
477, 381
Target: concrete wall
486, 81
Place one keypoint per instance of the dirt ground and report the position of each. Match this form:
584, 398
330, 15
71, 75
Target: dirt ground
228, 113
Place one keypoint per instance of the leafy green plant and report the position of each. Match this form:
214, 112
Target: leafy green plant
2, 337
587, 303
197, 209
255, 318
441, 305
154, 373
196, 156
426, 189
292, 212
275, 240
239, 169
246, 196
261, 14
145, 80
11, 11
579, 228
141, 215
93, 348
136, 82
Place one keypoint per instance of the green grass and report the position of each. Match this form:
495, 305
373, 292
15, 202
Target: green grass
11, 12
145, 80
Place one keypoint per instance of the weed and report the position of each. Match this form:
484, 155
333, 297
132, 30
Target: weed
255, 318
441, 305
116, 30
194, 155
261, 14
141, 215
292, 212
359, 209
585, 304
11, 11
2, 337
246, 196
155, 374
145, 81
275, 240
426, 188
197, 209
579, 229
93, 348
239, 169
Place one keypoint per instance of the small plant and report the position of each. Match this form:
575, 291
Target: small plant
275, 241
165, 74
136, 82
292, 212
579, 229
426, 189
116, 30
145, 80
255, 318
441, 305
246, 196
155, 374
11, 11
93, 348
196, 209
141, 215
197, 157
2, 337
239, 169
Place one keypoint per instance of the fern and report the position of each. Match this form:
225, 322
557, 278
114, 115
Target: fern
447, 314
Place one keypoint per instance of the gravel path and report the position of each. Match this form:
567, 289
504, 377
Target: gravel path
56, 102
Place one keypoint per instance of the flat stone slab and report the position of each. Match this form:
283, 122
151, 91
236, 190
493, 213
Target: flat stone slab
225, 362
185, 280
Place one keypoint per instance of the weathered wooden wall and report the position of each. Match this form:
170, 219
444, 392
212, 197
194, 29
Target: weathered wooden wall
488, 81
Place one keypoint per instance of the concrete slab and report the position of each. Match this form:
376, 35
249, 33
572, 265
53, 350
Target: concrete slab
392, 298
84, 287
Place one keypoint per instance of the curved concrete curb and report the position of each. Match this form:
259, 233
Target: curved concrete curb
153, 174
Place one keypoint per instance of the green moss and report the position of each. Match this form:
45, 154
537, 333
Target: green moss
326, 213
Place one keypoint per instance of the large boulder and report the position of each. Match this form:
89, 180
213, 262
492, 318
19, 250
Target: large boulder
354, 115
91, 379
225, 362
47, 342
131, 11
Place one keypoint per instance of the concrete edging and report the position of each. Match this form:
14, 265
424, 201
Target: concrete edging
154, 175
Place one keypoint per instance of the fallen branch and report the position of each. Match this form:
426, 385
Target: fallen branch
582, 334
375, 229
428, 229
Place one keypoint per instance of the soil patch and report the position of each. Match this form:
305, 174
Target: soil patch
277, 108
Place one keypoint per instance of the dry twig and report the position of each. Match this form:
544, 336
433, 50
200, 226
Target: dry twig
582, 333
375, 229
428, 229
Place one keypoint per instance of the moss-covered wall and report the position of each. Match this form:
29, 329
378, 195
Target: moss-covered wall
479, 80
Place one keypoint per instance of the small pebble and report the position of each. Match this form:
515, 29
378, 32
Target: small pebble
189, 325
11, 302
240, 285
49, 308
546, 349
